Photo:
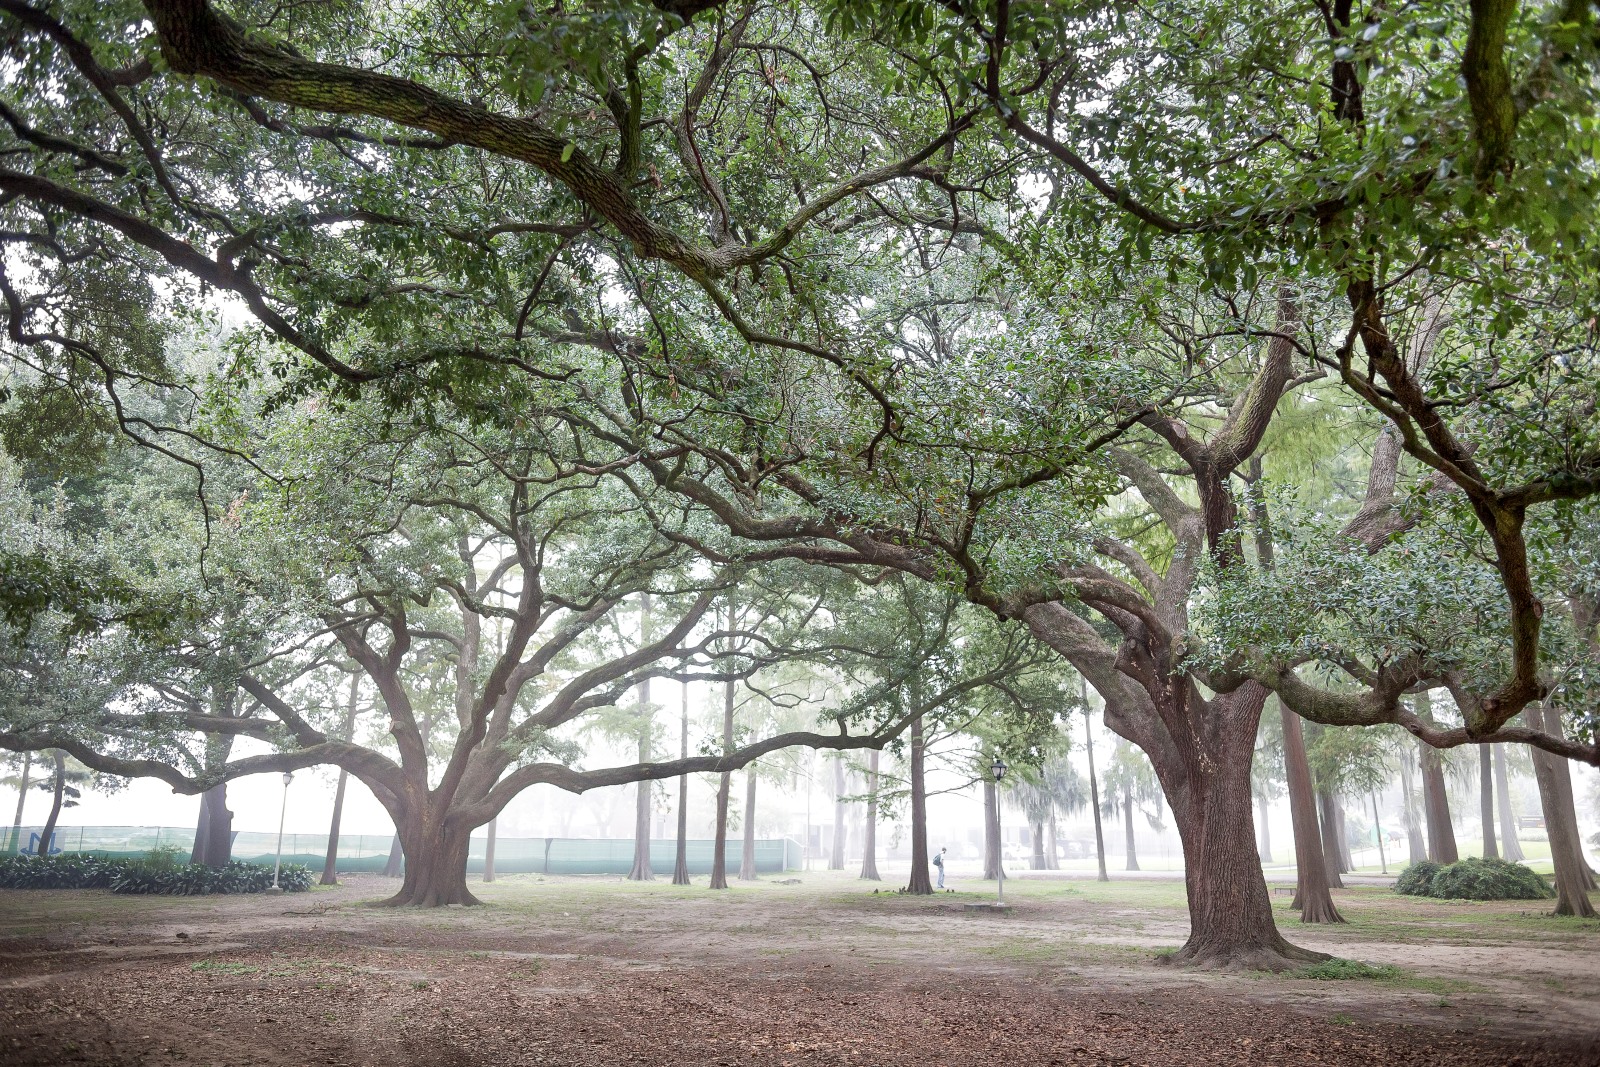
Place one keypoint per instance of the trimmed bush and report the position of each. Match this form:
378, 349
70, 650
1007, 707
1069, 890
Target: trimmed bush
160, 874
1416, 879
1473, 879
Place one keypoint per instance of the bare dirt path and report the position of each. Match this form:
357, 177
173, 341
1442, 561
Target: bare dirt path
824, 972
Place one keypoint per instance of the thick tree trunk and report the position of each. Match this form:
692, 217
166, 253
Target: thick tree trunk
680, 867
920, 883
869, 828
1332, 866
747, 857
1206, 775
1566, 853
435, 865
1436, 808
1569, 808
1127, 829
488, 851
60, 760
213, 832
1036, 831
836, 857
1311, 895
396, 866
1051, 860
1486, 800
993, 862
1263, 830
22, 800
719, 861
1416, 849
1510, 846
1094, 791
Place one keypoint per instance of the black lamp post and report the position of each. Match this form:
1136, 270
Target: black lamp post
998, 769
277, 864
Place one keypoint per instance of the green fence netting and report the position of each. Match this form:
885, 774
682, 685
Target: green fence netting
368, 852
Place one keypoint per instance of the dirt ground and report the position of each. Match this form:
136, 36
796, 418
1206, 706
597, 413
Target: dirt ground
599, 971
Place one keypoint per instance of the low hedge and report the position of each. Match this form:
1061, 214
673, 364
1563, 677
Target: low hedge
1473, 879
159, 875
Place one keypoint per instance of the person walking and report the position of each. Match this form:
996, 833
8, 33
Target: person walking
938, 861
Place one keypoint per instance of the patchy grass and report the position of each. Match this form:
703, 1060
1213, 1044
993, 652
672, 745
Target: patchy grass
1337, 969
223, 967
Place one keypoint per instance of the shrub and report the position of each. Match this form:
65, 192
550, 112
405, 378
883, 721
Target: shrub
159, 874
1338, 969
1489, 879
1416, 879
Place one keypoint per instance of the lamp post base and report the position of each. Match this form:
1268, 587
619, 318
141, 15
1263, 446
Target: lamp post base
273, 890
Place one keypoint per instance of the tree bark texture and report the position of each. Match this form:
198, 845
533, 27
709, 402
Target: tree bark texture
719, 861
435, 863
1416, 847
1094, 793
1436, 808
1264, 830
60, 761
747, 856
1486, 800
836, 856
1036, 832
396, 865
1572, 896
488, 851
1127, 829
680, 867
1311, 896
920, 882
1326, 806
1510, 846
993, 862
869, 828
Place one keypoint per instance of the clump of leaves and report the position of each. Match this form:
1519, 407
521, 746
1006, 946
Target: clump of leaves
1474, 878
158, 874
1415, 879
1338, 970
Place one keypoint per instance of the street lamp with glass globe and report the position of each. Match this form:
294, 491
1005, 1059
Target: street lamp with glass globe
277, 864
998, 769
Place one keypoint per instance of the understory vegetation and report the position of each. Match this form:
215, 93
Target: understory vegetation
1474, 878
146, 876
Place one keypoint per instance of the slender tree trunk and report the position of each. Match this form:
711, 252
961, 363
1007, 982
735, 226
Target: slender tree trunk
1486, 800
992, 865
330, 863
1051, 860
60, 761
1416, 849
22, 800
921, 883
1094, 789
641, 871
680, 868
1510, 846
1127, 829
1377, 834
747, 859
1436, 808
1332, 861
1311, 895
1036, 831
488, 851
869, 829
836, 857
1572, 896
1263, 831
396, 866
1347, 862
719, 861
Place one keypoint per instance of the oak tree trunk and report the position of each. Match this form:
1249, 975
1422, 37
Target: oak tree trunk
1510, 846
719, 859
1036, 831
641, 871
1311, 896
330, 863
488, 851
1566, 855
920, 883
213, 845
396, 865
747, 858
836, 857
1553, 726
869, 828
435, 865
22, 800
